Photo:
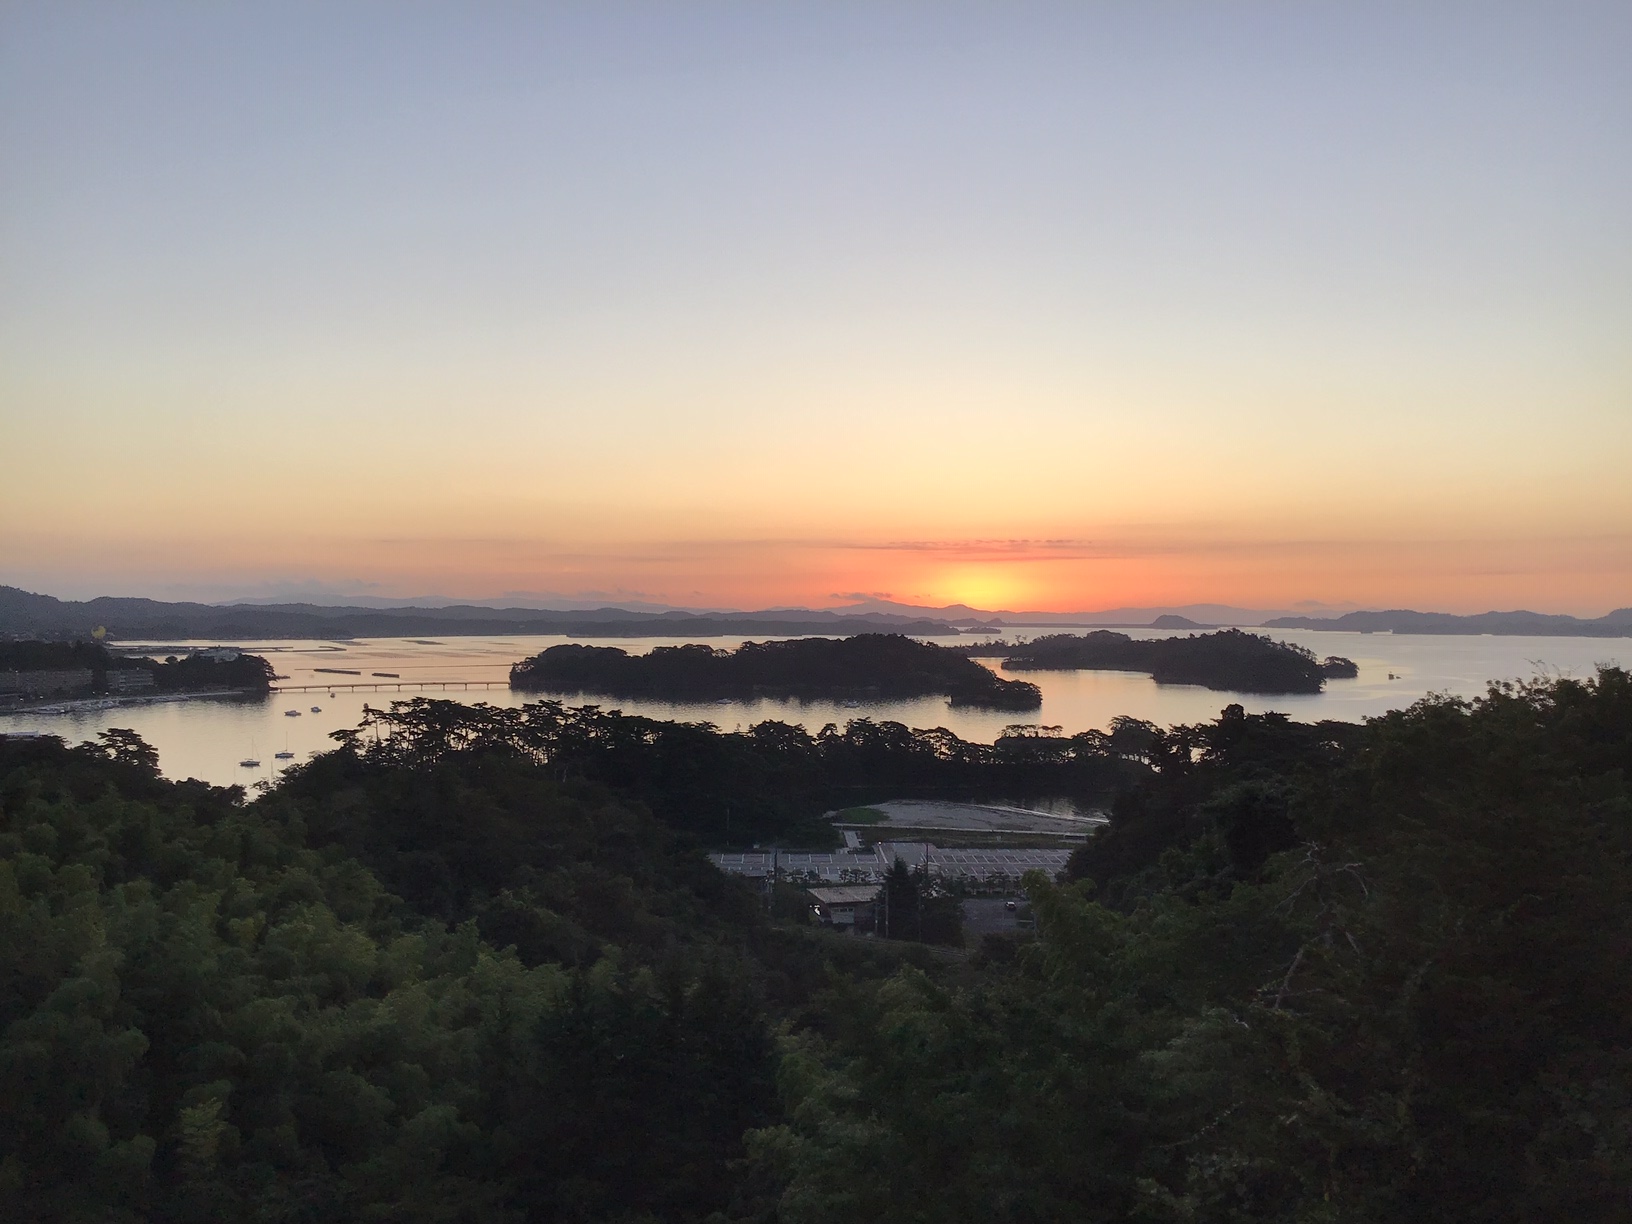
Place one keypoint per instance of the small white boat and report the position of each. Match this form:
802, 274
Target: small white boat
291, 713
250, 763
284, 756
317, 709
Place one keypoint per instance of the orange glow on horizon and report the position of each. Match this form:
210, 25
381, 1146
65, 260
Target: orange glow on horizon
1580, 575
983, 586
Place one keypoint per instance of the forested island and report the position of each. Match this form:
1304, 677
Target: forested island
1229, 660
474, 968
869, 666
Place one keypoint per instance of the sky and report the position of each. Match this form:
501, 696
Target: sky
1054, 306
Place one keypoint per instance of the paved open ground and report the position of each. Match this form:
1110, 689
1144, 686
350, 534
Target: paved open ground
987, 916
979, 818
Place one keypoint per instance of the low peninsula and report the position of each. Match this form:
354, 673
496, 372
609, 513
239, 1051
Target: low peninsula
1227, 661
35, 670
869, 666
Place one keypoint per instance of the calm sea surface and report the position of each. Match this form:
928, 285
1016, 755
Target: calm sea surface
207, 738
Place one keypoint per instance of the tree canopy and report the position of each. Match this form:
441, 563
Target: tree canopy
466, 971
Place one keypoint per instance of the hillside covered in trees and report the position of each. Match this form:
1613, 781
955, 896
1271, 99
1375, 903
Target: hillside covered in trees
473, 970
1229, 661
870, 665
772, 781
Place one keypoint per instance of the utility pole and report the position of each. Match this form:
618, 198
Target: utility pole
923, 887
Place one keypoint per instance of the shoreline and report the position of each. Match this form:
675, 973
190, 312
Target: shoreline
109, 701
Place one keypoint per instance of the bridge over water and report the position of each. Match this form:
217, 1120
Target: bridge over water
395, 685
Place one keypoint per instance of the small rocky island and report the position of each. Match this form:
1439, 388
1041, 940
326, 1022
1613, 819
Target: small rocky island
869, 666
1229, 660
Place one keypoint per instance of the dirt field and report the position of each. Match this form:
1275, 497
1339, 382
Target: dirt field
976, 818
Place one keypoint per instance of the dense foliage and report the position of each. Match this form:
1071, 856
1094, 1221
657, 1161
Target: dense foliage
199, 672
869, 665
1377, 977
30, 655
1309, 973
770, 782
212, 1011
1230, 660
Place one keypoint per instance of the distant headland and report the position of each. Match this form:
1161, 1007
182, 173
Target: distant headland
1507, 624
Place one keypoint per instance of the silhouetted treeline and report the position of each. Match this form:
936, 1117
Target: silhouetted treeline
197, 671
870, 665
1229, 660
769, 782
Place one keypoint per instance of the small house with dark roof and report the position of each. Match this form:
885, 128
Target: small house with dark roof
849, 907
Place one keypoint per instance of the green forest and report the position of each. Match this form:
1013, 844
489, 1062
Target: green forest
869, 666
1229, 660
472, 965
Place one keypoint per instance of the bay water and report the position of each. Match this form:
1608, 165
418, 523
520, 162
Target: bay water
208, 738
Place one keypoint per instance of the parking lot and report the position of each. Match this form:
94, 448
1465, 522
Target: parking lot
988, 916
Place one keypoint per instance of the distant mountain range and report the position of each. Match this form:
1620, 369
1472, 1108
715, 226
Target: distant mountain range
24, 614
1512, 624
1195, 615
